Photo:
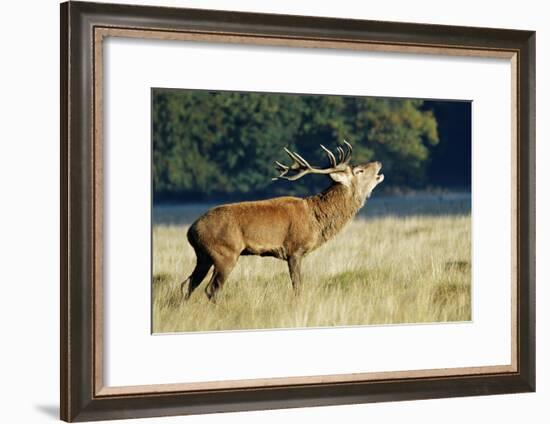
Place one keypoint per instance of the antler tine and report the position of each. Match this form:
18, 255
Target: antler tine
303, 161
330, 155
295, 164
347, 156
341, 154
281, 167
298, 161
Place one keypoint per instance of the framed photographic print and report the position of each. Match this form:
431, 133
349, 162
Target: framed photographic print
268, 211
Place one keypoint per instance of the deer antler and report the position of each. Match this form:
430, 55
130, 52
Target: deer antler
302, 167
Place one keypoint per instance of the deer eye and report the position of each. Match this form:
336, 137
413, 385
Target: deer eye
359, 171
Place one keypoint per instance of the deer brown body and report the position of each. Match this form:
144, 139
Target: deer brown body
286, 228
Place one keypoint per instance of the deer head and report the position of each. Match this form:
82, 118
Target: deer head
360, 179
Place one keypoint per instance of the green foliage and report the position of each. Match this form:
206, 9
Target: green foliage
224, 143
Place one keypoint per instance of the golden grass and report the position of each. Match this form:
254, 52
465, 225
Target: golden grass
386, 270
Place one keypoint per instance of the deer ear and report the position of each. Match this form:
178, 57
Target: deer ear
342, 177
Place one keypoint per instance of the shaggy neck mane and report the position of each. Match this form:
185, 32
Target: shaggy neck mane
334, 208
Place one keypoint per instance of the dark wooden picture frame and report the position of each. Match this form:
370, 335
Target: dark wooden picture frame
83, 27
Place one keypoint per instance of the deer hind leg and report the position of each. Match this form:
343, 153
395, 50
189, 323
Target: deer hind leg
295, 270
223, 265
204, 263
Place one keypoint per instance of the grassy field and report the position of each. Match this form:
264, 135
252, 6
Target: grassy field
408, 267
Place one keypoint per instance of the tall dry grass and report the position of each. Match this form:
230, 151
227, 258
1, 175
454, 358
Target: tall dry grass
384, 270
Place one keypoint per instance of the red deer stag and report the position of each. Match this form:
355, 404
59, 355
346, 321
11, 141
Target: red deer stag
286, 228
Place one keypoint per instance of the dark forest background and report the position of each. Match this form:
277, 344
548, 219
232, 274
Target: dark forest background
221, 145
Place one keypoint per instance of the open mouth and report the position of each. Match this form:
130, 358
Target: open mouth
379, 177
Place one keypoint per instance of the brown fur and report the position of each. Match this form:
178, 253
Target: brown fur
286, 228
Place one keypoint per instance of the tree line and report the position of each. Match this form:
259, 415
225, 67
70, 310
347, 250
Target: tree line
210, 144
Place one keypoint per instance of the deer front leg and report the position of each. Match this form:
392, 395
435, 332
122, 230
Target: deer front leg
295, 269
